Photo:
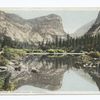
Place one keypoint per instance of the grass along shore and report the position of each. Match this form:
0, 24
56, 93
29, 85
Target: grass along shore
8, 54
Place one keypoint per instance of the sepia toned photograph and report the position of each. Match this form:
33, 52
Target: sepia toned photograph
49, 50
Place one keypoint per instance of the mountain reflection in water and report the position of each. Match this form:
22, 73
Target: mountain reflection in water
55, 72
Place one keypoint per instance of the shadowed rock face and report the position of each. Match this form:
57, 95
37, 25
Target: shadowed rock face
95, 29
92, 28
31, 30
82, 30
98, 19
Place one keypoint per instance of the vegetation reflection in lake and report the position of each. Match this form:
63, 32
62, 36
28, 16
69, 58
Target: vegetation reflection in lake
51, 72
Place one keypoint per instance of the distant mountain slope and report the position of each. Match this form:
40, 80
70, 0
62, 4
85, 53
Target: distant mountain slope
95, 29
31, 30
83, 29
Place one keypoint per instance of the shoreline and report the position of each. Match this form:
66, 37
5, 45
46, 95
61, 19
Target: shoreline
57, 53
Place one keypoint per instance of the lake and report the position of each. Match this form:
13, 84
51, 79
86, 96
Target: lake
55, 73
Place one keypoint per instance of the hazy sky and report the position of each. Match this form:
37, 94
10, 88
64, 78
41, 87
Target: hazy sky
72, 19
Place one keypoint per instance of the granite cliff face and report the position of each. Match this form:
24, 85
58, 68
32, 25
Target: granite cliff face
47, 26
31, 30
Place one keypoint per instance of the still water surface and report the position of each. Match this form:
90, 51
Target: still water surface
57, 73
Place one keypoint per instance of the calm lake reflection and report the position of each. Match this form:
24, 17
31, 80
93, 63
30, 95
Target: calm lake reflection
43, 73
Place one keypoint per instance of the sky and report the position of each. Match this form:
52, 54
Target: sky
72, 19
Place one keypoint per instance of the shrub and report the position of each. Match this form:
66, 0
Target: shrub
1, 84
33, 51
59, 51
11, 53
55, 51
11, 86
94, 54
28, 50
3, 61
50, 51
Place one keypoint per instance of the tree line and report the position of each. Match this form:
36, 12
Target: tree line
6, 41
84, 43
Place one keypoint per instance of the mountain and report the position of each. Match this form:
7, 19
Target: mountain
92, 28
95, 29
82, 30
31, 30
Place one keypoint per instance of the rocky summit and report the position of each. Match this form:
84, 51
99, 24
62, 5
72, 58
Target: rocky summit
31, 30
